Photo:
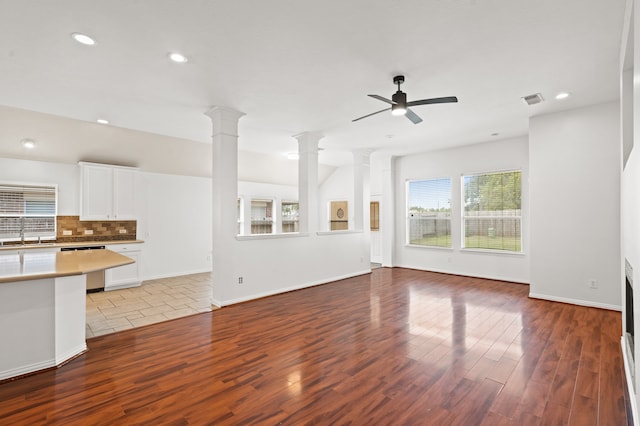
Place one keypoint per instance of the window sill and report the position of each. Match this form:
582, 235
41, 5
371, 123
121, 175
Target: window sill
271, 236
420, 246
491, 251
321, 233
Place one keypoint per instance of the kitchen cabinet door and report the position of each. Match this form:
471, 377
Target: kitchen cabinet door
96, 192
124, 194
107, 192
124, 276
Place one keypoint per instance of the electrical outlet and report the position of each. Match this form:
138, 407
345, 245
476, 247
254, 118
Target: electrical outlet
122, 231
240, 280
67, 232
88, 232
208, 258
593, 283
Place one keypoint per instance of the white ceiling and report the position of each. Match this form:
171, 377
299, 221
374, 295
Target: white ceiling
295, 66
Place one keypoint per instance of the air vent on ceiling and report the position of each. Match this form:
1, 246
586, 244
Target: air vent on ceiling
533, 99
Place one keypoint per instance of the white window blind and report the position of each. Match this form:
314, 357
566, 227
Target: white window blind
429, 212
492, 215
27, 211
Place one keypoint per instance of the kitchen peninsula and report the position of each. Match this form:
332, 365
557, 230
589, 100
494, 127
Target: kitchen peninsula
43, 304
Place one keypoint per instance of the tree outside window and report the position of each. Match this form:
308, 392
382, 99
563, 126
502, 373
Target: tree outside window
492, 214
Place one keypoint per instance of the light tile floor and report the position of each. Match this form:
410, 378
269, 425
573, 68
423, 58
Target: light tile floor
154, 301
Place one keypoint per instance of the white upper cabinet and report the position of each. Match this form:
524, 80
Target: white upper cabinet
107, 192
124, 193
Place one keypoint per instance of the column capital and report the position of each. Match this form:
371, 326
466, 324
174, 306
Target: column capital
309, 136
362, 151
362, 155
308, 141
224, 120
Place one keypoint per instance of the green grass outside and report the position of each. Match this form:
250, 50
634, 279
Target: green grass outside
433, 241
478, 241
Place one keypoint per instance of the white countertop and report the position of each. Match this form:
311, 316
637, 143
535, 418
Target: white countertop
44, 245
34, 265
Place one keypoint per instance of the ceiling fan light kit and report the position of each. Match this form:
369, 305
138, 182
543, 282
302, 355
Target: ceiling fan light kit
398, 109
400, 106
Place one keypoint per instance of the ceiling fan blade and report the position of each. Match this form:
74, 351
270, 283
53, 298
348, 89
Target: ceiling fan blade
373, 113
445, 100
413, 116
380, 98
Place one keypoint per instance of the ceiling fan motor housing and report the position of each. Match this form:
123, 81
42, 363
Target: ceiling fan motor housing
399, 106
399, 98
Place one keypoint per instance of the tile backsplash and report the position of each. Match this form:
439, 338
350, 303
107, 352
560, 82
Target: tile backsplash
71, 228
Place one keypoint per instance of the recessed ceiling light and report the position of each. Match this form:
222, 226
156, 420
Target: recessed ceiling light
83, 39
563, 95
178, 58
495, 134
293, 156
102, 121
28, 143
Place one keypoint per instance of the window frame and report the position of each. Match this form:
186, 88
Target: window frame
26, 233
267, 221
296, 220
408, 218
464, 217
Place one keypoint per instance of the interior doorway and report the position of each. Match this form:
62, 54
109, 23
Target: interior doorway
376, 234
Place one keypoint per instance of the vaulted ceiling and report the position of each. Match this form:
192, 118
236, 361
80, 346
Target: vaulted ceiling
295, 66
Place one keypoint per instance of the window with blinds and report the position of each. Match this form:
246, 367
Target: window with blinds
492, 215
27, 211
290, 211
429, 212
261, 216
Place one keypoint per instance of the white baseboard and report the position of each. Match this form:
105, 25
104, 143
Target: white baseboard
630, 388
121, 286
287, 289
176, 274
26, 369
60, 358
578, 302
441, 271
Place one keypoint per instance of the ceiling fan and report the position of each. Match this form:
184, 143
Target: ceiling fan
400, 106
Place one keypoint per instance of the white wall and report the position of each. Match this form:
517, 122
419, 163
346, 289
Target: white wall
276, 264
175, 224
66, 176
66, 140
575, 205
337, 187
507, 154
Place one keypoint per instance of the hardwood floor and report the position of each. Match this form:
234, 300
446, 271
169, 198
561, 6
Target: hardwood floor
394, 347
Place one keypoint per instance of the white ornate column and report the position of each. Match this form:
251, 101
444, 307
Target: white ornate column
361, 189
277, 215
308, 180
387, 212
246, 216
225, 192
362, 199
